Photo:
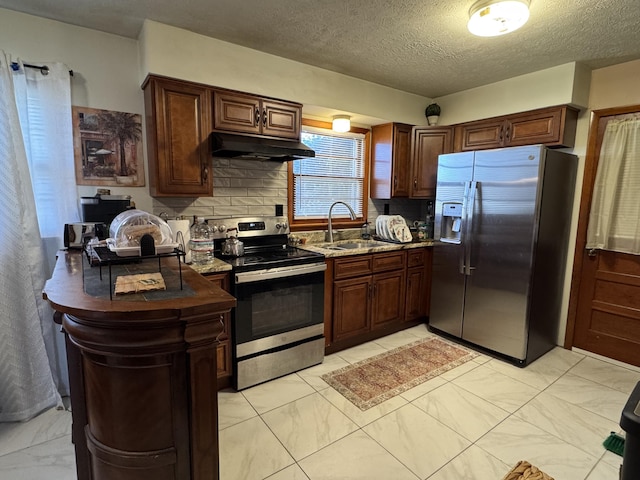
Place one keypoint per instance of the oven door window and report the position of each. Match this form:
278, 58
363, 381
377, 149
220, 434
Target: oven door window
269, 307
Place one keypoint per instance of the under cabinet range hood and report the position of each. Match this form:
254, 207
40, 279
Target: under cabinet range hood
228, 145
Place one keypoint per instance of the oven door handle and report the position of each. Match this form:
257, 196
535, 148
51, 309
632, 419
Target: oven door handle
279, 272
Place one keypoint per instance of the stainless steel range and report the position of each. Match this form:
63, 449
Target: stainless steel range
277, 325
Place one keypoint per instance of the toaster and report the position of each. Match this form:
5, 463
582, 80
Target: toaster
77, 235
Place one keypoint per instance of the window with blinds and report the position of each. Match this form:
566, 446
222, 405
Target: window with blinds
336, 173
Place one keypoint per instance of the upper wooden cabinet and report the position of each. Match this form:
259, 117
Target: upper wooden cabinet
553, 127
178, 130
244, 113
427, 143
390, 161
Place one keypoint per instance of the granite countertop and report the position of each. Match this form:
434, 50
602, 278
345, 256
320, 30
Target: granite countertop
215, 265
368, 246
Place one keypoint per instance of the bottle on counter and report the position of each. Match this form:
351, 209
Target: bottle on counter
365, 232
429, 220
201, 242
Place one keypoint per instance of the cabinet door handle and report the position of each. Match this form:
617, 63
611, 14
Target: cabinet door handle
205, 173
264, 117
415, 182
395, 181
508, 134
257, 116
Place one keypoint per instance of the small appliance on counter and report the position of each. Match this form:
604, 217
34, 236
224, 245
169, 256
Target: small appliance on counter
77, 235
103, 208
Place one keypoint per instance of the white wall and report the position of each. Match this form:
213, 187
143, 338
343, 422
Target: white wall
175, 52
564, 84
615, 86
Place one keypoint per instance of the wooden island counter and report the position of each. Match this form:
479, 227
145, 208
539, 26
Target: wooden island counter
142, 373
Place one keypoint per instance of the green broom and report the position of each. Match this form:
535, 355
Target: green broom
614, 443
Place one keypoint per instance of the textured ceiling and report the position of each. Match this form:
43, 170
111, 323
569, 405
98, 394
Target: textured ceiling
419, 46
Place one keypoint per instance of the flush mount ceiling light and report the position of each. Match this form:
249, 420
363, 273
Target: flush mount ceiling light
341, 123
490, 18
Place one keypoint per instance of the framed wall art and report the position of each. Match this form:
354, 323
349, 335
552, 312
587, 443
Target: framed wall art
107, 147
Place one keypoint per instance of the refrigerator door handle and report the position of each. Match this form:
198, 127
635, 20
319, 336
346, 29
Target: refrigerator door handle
465, 220
471, 200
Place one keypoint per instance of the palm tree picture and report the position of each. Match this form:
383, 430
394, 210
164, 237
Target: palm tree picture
121, 127
107, 147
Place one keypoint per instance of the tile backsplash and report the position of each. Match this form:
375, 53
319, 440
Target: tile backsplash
253, 187
240, 188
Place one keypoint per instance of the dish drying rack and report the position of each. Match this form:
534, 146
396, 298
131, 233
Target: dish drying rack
393, 229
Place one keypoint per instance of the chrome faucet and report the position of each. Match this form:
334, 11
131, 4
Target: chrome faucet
352, 214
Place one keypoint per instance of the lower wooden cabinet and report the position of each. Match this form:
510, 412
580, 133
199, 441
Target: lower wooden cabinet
351, 307
375, 294
223, 349
418, 283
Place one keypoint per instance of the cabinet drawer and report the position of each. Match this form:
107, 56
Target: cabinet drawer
388, 261
352, 266
415, 258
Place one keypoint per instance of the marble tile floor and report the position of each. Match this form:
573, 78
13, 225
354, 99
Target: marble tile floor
473, 423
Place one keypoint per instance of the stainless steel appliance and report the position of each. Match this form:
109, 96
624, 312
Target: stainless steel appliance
278, 323
77, 235
502, 229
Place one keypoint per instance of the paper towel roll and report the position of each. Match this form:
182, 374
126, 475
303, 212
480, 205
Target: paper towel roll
183, 227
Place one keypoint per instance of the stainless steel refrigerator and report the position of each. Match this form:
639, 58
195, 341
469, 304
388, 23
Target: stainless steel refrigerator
502, 229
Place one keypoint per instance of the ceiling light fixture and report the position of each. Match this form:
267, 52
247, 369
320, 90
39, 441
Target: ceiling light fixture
341, 123
490, 18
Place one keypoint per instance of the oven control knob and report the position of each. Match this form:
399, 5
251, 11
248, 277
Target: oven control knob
214, 228
282, 225
222, 228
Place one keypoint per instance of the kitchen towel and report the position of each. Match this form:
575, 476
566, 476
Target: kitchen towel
181, 235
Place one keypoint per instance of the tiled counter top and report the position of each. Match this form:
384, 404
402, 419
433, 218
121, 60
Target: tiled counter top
375, 248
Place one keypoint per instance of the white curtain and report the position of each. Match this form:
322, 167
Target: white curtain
614, 219
36, 149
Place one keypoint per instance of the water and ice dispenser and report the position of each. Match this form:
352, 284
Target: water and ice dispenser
451, 225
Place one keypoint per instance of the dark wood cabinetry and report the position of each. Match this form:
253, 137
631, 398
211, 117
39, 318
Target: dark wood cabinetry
376, 294
142, 377
244, 113
180, 116
553, 127
178, 129
223, 349
390, 161
367, 292
427, 143
418, 283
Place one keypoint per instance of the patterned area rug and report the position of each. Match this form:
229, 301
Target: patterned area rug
376, 379
525, 471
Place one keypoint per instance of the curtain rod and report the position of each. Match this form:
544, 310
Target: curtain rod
44, 70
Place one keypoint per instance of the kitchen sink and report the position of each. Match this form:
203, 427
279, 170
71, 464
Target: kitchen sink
352, 245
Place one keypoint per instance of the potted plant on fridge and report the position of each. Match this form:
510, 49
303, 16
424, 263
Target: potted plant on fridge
432, 112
